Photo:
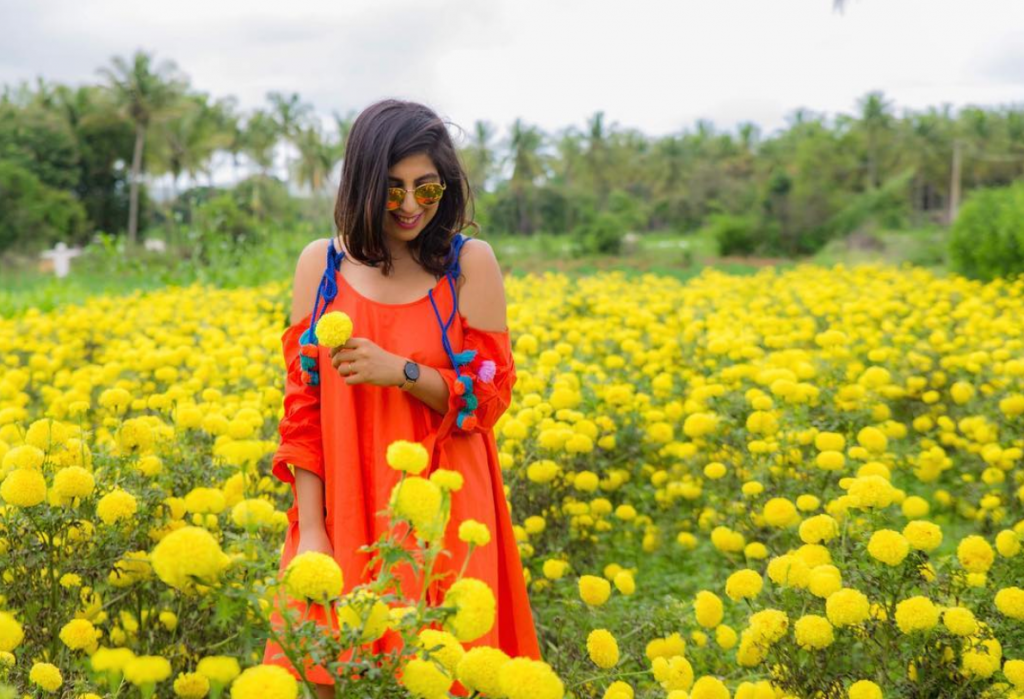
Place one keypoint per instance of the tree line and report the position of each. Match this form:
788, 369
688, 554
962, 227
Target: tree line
76, 160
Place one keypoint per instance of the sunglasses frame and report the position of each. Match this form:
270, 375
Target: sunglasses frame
405, 191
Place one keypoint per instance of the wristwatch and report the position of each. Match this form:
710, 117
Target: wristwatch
412, 372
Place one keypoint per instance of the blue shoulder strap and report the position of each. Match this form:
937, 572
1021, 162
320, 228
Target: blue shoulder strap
326, 290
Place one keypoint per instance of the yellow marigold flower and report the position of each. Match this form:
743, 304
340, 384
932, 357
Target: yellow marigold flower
333, 329
975, 554
813, 632
847, 607
744, 584
756, 551
708, 687
475, 607
916, 614
1007, 543
618, 690
888, 546
362, 609
219, 669
624, 582
829, 441
442, 646
872, 439
727, 540
708, 608
424, 680
116, 505
73, 482
1010, 601
923, 535
602, 648
961, 392
24, 456
807, 503
865, 689
673, 673
817, 529
314, 575
671, 645
871, 491
959, 621
769, 625
824, 580
752, 488
473, 532
79, 634
780, 513
447, 479
419, 501
726, 637
555, 569
186, 556
479, 669
252, 513
23, 488
191, 685
715, 470
46, 676
134, 436
594, 590
410, 457
265, 682
587, 481
830, 460
915, 507
525, 678
147, 669
788, 569
1014, 671
983, 661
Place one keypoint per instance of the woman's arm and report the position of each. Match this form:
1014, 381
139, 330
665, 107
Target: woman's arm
481, 302
309, 487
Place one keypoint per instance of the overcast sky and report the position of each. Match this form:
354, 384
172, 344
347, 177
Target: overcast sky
656, 66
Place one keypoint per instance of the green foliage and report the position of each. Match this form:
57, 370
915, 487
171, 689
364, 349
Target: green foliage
35, 212
734, 235
602, 235
887, 206
987, 239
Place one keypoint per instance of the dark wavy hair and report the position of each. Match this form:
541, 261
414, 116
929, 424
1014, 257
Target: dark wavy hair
383, 134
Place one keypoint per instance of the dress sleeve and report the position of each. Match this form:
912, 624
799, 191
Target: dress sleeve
493, 394
301, 443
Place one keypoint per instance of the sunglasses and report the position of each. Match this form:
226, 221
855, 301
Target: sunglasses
425, 195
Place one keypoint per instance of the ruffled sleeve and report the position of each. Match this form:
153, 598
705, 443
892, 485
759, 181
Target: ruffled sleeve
301, 443
494, 374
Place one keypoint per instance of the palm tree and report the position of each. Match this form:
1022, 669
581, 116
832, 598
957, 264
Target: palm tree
876, 122
290, 113
524, 146
479, 154
316, 158
142, 94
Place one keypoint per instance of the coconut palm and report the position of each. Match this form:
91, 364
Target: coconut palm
143, 93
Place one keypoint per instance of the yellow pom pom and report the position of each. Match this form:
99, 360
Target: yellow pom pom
333, 329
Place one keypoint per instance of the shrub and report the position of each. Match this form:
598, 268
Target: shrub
987, 239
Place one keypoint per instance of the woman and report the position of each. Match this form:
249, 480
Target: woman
417, 292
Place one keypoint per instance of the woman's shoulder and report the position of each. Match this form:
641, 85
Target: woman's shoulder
308, 271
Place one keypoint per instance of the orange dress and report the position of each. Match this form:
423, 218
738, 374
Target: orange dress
341, 432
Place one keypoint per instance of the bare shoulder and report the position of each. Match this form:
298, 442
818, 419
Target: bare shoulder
482, 294
308, 271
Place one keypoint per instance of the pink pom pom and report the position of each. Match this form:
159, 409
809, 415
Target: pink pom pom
487, 369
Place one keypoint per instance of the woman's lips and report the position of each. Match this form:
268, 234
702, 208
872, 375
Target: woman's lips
411, 224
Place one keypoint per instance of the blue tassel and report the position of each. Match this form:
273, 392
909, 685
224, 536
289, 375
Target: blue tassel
314, 378
307, 363
464, 357
471, 402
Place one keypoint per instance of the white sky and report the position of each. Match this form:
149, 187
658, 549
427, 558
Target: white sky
656, 66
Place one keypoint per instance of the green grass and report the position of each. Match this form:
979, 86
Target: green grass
106, 271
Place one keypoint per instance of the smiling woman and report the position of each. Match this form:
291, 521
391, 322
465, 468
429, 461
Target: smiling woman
421, 366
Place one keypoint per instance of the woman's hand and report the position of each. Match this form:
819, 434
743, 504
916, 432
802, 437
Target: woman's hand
361, 360
314, 539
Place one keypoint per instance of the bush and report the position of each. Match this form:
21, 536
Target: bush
37, 213
600, 236
987, 239
735, 235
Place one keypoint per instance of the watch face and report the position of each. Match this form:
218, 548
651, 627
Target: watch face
412, 371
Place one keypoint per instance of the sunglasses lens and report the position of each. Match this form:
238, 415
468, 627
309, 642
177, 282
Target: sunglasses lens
395, 197
429, 193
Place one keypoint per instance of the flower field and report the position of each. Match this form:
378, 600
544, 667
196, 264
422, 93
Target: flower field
792, 484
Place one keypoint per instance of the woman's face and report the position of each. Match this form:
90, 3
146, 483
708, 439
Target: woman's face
409, 174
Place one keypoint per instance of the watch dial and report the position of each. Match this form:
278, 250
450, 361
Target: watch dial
412, 371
